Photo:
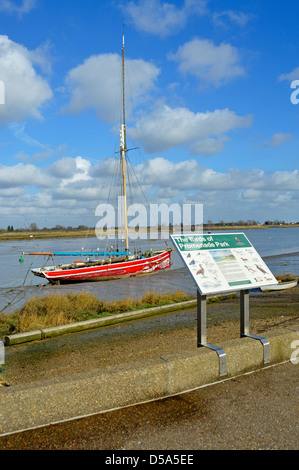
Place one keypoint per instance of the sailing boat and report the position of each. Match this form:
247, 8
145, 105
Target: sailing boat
113, 264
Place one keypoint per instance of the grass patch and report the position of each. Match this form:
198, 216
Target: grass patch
220, 298
55, 309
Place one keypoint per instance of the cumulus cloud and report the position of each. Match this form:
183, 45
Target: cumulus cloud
189, 175
229, 16
81, 173
162, 18
96, 84
63, 168
68, 191
278, 139
25, 90
70, 170
207, 147
41, 56
12, 192
211, 64
10, 6
23, 175
293, 75
166, 128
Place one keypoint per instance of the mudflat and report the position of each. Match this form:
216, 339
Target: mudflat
145, 339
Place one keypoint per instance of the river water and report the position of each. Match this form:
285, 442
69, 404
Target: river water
279, 248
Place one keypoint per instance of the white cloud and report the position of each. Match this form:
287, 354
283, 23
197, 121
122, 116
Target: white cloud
285, 180
18, 130
82, 171
209, 146
96, 84
189, 175
45, 153
162, 18
12, 192
71, 170
251, 195
229, 16
23, 175
294, 75
278, 139
10, 6
67, 192
63, 168
41, 56
167, 128
210, 63
25, 90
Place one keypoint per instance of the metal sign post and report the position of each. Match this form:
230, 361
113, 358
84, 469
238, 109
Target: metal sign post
202, 333
222, 263
244, 323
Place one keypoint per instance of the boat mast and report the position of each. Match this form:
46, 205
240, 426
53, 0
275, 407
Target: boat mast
123, 147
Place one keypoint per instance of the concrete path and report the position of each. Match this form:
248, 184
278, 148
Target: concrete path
258, 411
73, 376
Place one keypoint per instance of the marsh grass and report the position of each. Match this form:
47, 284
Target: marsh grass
55, 309
286, 277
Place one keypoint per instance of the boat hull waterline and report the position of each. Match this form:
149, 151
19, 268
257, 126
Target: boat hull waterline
82, 271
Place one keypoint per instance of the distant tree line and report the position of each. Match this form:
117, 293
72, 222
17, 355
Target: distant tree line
34, 228
60, 228
249, 222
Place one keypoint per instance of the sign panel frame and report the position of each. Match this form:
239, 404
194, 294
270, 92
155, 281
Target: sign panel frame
222, 262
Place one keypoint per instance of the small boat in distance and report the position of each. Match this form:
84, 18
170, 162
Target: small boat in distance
107, 264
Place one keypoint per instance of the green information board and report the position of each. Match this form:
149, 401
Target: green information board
222, 262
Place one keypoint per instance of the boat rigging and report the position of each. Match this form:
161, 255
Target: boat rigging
107, 264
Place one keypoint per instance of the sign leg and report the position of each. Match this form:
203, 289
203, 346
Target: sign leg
201, 319
202, 333
244, 323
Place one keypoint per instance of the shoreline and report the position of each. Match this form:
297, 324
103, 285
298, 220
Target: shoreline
51, 234
117, 317
115, 312
50, 386
147, 337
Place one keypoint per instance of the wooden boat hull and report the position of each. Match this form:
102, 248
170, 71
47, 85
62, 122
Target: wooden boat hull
280, 286
96, 272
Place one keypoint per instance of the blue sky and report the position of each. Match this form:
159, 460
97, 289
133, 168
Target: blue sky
208, 101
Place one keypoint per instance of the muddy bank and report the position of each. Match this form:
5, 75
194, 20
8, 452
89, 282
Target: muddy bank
161, 335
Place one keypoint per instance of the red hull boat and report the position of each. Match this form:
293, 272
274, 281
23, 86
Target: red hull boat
107, 269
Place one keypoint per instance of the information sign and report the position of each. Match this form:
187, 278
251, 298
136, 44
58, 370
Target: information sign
222, 262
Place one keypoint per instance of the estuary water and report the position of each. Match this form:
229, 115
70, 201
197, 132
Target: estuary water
279, 248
